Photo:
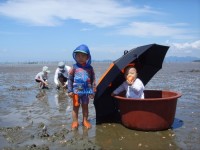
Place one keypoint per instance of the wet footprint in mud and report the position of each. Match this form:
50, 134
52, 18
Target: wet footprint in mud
11, 134
14, 88
43, 133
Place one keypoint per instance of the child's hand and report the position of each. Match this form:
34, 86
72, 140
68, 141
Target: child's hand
65, 85
71, 94
130, 79
46, 83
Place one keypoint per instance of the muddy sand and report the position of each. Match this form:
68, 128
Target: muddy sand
35, 119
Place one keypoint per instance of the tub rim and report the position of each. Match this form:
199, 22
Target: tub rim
178, 94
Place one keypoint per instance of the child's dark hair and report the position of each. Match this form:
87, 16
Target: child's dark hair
128, 67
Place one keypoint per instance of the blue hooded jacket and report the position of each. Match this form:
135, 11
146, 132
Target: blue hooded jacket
83, 49
82, 78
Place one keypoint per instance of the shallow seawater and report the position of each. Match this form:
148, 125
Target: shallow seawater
40, 119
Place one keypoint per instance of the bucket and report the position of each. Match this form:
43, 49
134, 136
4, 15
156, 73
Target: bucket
153, 113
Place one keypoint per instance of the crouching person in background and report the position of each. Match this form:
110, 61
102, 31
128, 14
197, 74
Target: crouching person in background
42, 77
61, 76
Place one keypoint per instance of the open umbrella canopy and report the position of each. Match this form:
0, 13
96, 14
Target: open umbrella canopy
148, 60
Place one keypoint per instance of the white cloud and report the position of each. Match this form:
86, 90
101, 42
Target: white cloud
52, 12
192, 45
185, 49
156, 29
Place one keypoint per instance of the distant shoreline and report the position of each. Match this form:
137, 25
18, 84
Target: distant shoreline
51, 62
166, 60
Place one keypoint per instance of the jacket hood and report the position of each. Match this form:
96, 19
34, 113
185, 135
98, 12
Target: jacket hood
83, 49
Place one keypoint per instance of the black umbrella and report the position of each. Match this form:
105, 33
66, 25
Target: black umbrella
148, 60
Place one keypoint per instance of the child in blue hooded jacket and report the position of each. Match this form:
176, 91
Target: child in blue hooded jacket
81, 84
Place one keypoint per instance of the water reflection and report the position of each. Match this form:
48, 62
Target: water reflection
60, 97
62, 101
80, 133
42, 95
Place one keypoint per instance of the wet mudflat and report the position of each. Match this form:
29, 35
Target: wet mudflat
41, 119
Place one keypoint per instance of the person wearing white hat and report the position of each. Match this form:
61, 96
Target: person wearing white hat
42, 77
61, 75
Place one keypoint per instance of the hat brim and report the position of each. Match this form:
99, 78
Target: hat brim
80, 51
61, 68
48, 71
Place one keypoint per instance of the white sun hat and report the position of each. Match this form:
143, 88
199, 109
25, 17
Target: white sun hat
61, 65
45, 69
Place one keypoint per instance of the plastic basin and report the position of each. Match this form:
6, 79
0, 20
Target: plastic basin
155, 112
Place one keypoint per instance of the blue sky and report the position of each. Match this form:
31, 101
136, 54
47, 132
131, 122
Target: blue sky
49, 30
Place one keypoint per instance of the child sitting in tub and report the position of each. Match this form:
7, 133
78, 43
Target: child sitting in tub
133, 86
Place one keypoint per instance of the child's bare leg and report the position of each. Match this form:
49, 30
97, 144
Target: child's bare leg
41, 85
75, 117
85, 116
44, 85
75, 113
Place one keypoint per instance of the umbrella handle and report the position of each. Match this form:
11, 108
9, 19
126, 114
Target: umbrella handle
125, 52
